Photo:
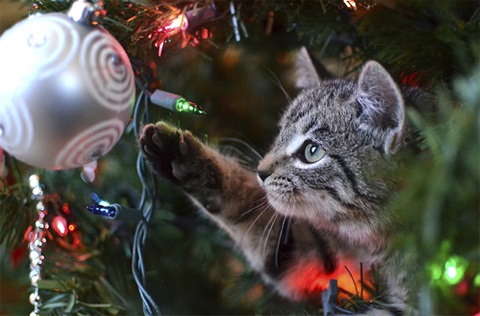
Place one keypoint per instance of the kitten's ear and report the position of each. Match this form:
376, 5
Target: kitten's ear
306, 75
381, 106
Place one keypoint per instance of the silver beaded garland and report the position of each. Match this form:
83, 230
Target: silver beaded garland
36, 243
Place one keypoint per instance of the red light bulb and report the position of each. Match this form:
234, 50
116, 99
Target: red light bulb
59, 224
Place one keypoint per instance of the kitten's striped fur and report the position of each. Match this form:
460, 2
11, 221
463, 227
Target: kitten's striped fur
316, 202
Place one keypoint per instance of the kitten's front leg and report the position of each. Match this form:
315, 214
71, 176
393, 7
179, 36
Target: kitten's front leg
219, 184
229, 193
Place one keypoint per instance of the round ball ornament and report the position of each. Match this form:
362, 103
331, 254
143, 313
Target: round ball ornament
66, 89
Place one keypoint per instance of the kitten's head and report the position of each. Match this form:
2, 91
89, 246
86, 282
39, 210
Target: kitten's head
329, 160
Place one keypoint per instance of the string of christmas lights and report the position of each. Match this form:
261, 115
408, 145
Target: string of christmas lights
147, 204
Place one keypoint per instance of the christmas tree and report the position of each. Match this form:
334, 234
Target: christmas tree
233, 59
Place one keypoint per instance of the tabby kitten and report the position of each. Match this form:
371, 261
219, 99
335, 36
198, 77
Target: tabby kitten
315, 206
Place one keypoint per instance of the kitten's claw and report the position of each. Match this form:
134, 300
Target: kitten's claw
183, 147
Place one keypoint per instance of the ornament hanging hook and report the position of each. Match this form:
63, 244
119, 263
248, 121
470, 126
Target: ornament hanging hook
88, 13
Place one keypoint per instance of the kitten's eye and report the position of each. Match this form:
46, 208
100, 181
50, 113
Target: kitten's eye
312, 152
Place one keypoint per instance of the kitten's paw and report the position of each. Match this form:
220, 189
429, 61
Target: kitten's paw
159, 146
177, 155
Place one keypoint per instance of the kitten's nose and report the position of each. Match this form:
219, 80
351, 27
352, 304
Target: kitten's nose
263, 174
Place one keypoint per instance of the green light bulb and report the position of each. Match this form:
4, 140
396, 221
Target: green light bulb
476, 280
182, 105
455, 268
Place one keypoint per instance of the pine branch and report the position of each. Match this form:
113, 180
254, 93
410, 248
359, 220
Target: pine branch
16, 207
141, 27
428, 38
440, 203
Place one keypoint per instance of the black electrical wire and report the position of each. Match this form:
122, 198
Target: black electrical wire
147, 204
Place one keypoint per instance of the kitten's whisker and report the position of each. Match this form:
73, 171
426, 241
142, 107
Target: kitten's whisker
254, 208
271, 222
265, 228
274, 78
279, 240
289, 224
243, 143
261, 204
236, 154
252, 224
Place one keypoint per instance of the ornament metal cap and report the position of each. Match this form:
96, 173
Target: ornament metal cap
87, 13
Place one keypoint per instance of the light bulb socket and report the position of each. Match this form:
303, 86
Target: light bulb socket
200, 16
